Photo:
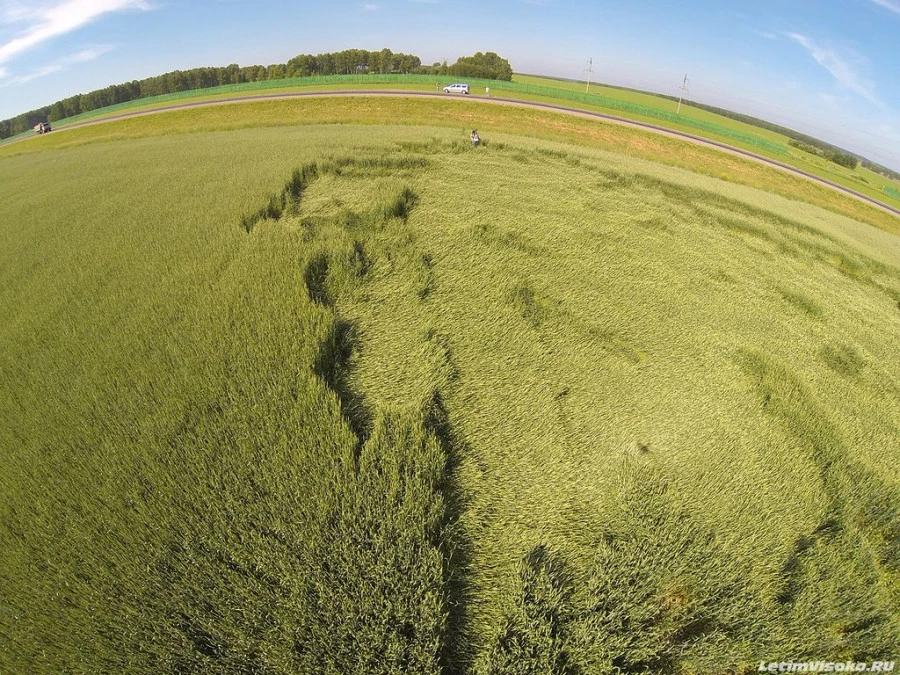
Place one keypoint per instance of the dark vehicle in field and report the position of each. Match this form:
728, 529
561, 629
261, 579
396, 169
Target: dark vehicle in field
43, 127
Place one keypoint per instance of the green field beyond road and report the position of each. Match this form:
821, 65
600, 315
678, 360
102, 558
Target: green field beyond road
366, 399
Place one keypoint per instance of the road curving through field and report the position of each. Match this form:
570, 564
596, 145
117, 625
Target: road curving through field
612, 119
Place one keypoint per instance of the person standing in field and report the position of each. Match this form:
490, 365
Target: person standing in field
475, 139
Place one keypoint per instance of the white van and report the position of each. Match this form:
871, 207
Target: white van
458, 88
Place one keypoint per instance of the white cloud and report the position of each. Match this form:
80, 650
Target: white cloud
88, 54
838, 67
36, 74
82, 56
833, 100
892, 5
887, 131
12, 11
370, 7
48, 22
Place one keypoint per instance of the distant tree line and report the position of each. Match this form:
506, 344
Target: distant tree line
347, 62
877, 168
802, 141
844, 159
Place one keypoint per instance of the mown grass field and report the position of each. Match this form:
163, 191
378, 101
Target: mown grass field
554, 91
345, 398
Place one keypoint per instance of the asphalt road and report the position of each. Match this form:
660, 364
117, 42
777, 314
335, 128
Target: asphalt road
502, 101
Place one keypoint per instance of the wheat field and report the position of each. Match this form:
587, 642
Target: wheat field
336, 398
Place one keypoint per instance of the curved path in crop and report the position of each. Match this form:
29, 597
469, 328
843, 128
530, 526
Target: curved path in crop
504, 101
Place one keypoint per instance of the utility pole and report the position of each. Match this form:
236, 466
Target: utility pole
683, 89
590, 71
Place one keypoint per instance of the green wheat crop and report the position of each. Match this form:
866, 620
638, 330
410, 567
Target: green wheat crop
349, 399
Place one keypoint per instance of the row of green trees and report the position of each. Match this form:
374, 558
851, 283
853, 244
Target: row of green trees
349, 61
841, 158
488, 66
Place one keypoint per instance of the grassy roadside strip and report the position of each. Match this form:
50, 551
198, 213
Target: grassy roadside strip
703, 125
603, 99
647, 108
467, 115
859, 178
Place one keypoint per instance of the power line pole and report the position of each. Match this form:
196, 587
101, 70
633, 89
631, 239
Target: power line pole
683, 89
590, 71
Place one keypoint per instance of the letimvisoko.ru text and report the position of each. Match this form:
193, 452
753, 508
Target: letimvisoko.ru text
825, 667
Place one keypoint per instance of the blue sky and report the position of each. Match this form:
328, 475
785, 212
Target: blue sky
830, 68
